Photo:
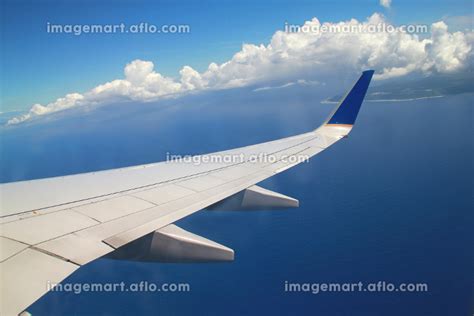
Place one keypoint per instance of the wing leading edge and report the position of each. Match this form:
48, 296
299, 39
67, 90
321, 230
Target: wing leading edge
66, 222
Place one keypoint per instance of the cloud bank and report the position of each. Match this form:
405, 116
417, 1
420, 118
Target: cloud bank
288, 57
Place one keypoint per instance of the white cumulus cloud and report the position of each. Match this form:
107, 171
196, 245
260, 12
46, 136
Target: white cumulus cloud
386, 3
289, 57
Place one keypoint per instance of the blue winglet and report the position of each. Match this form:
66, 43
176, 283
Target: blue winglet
346, 112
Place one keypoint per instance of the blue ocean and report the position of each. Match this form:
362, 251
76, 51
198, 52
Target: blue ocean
393, 202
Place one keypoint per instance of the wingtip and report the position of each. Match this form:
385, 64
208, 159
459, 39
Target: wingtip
368, 73
346, 112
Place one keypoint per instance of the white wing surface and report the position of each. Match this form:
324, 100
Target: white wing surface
51, 227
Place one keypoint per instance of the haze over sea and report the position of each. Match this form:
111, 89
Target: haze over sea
393, 202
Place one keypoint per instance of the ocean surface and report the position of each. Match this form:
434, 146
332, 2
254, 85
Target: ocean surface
393, 203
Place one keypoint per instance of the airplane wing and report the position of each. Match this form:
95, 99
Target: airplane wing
51, 227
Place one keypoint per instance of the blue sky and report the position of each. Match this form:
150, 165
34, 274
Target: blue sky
38, 67
383, 227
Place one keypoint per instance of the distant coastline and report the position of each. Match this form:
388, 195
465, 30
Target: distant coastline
399, 90
329, 101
